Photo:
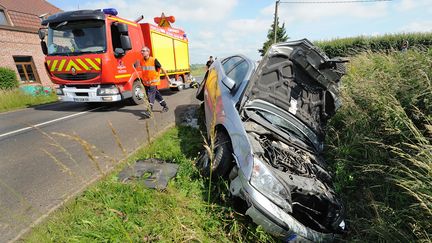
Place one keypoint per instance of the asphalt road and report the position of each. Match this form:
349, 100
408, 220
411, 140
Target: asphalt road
44, 158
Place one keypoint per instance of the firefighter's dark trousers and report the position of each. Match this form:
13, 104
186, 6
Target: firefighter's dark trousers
152, 94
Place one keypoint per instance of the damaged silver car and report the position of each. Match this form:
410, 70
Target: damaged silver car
268, 124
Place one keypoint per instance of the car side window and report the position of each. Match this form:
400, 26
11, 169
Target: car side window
238, 73
229, 64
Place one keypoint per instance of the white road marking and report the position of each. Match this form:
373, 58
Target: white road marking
47, 122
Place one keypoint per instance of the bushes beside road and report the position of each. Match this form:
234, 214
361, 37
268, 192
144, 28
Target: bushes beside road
8, 79
16, 98
12, 97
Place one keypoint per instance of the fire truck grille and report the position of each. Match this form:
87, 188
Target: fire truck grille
78, 76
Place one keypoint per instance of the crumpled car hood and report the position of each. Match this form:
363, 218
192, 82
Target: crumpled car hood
297, 77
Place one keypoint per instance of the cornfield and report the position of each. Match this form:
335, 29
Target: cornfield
345, 47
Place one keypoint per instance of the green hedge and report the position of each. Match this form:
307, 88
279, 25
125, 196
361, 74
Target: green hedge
387, 43
8, 78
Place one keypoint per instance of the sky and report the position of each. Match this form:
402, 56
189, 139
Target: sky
226, 27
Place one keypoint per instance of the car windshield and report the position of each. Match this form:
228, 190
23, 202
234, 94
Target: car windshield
284, 125
77, 37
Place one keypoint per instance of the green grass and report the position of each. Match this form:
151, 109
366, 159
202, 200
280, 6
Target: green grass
117, 212
198, 70
16, 99
380, 143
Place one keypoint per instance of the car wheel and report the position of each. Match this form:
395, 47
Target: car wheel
222, 162
137, 93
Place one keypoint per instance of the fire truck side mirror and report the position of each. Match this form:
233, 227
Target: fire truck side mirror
122, 28
44, 47
41, 33
125, 42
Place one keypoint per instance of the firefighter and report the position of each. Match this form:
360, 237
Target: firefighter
209, 62
151, 78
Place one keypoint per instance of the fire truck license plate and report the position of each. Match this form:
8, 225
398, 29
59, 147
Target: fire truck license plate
81, 99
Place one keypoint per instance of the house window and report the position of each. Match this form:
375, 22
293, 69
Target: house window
3, 19
26, 69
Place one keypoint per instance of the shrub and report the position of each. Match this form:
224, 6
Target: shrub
8, 78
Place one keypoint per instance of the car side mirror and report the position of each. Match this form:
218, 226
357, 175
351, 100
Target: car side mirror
125, 42
44, 47
119, 52
229, 83
41, 34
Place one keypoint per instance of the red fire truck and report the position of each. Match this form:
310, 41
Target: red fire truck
95, 56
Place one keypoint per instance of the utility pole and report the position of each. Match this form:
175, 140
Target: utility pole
275, 27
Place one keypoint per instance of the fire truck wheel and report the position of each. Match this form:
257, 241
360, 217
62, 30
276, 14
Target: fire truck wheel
137, 90
181, 80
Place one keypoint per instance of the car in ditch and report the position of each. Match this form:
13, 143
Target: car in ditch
267, 124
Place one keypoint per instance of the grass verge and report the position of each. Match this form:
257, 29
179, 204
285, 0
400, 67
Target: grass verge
381, 145
118, 212
16, 99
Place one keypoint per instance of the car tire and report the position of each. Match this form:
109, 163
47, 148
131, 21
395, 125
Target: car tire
223, 158
136, 88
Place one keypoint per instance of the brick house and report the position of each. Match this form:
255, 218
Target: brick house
20, 47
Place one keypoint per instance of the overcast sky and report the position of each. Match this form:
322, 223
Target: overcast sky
224, 27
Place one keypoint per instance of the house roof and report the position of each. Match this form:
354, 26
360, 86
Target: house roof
25, 14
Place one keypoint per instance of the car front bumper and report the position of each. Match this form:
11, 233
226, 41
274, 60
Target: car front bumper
271, 217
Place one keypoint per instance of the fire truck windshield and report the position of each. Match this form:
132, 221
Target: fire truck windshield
76, 37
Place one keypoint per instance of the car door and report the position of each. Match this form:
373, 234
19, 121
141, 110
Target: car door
215, 91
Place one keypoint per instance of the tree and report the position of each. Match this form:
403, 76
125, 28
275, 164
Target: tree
281, 36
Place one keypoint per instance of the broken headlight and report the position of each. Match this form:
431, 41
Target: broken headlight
263, 180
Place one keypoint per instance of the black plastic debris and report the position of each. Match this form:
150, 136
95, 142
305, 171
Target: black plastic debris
154, 173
